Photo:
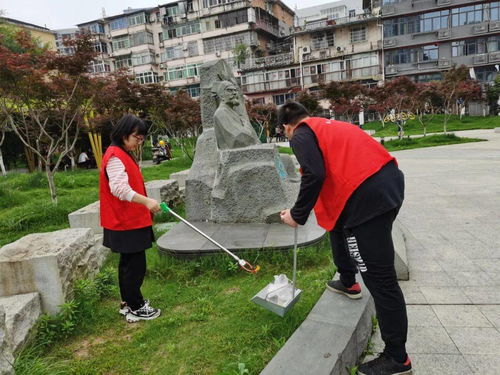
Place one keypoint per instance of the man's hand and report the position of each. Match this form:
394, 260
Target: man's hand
287, 219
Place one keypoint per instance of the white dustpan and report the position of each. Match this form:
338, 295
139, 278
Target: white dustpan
280, 295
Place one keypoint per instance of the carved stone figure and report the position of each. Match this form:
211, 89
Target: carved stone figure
231, 124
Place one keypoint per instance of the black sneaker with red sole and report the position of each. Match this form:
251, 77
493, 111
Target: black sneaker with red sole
385, 365
337, 286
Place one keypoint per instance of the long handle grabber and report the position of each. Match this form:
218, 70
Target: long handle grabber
241, 262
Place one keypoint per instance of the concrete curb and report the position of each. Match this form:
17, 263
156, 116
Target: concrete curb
330, 340
336, 332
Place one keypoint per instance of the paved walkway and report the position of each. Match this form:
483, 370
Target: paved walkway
452, 212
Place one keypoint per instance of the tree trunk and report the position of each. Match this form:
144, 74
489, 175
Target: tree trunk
2, 166
30, 159
52, 185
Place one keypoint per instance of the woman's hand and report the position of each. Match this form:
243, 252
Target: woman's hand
287, 218
152, 205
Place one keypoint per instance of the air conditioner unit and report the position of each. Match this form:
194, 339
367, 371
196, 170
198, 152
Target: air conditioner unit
340, 49
185, 47
306, 50
217, 53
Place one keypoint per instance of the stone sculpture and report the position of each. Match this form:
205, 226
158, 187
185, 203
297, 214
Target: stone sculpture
232, 128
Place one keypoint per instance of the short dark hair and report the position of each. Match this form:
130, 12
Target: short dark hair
127, 125
291, 112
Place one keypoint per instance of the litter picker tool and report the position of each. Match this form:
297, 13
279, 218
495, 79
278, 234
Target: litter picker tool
241, 262
280, 295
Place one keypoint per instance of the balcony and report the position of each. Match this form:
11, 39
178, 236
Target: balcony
324, 23
267, 61
223, 8
272, 29
418, 6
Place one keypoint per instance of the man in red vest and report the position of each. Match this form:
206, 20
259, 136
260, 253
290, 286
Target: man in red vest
356, 190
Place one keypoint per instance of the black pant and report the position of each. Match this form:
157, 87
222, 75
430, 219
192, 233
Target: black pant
131, 272
369, 248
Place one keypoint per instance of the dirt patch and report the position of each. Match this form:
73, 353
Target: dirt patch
82, 351
231, 290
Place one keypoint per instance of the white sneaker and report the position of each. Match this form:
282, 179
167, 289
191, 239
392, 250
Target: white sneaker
145, 312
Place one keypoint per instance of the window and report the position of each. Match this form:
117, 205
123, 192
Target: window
146, 77
96, 28
183, 71
495, 11
172, 53
283, 98
143, 58
172, 10
99, 67
123, 62
193, 48
323, 39
434, 21
232, 18
227, 43
485, 73
101, 47
120, 43
183, 29
138, 39
494, 43
467, 15
468, 47
193, 91
430, 53
137, 19
428, 77
119, 23
358, 34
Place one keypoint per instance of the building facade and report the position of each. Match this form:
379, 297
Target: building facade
61, 36
424, 38
44, 36
329, 43
168, 43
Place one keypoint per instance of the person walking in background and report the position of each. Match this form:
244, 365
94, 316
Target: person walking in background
126, 215
83, 160
356, 189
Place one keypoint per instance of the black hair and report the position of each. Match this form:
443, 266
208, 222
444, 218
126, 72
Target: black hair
127, 125
291, 113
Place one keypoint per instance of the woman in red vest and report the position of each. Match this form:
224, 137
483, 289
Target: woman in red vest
356, 190
126, 215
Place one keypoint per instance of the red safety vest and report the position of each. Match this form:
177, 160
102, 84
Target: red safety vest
115, 213
350, 156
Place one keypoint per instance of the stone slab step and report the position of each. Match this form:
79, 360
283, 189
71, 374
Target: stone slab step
330, 340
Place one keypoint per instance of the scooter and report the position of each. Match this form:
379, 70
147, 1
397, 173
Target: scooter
159, 154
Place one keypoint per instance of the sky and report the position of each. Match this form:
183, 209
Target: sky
61, 14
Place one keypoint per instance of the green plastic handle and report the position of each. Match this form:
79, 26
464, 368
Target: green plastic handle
164, 207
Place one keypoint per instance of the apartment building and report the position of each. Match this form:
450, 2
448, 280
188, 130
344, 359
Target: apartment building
330, 43
61, 36
168, 43
44, 36
423, 38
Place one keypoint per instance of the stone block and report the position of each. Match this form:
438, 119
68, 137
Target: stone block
290, 168
497, 130
48, 263
370, 131
6, 357
475, 340
251, 186
21, 314
200, 180
86, 217
461, 316
180, 177
164, 191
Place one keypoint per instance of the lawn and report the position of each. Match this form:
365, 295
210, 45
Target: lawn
25, 205
208, 324
413, 127
428, 141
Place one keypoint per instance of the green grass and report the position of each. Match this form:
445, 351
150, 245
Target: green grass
428, 141
208, 324
25, 205
418, 142
413, 127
